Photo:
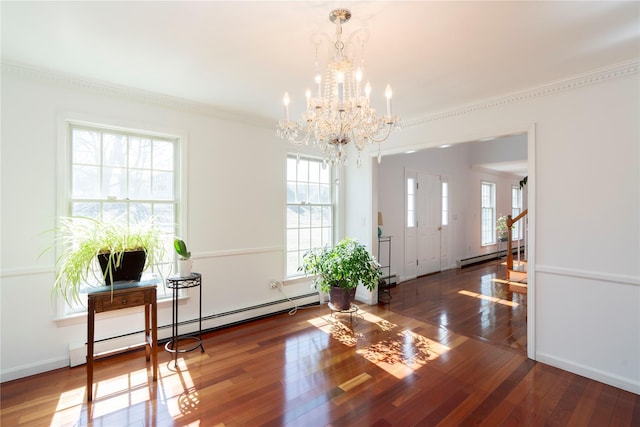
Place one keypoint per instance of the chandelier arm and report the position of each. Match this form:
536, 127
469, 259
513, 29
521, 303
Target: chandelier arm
372, 138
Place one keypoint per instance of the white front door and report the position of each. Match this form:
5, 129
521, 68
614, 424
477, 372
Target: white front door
429, 214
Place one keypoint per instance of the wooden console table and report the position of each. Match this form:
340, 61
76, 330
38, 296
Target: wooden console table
124, 295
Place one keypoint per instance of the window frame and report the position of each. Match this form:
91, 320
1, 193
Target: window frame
292, 275
491, 209
65, 124
516, 209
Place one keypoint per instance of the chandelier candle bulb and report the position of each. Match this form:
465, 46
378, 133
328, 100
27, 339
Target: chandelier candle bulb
388, 93
285, 100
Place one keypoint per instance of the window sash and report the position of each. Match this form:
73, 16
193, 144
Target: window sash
488, 213
126, 174
310, 209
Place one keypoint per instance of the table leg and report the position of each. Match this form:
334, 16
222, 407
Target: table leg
147, 334
154, 335
90, 335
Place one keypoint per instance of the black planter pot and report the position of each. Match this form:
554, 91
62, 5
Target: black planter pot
341, 298
130, 268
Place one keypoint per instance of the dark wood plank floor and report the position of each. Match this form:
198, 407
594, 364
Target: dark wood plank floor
433, 356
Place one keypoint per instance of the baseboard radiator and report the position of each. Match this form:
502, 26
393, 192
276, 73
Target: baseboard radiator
133, 340
465, 262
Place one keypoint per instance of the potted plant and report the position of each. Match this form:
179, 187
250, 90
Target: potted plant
502, 229
184, 258
89, 243
340, 269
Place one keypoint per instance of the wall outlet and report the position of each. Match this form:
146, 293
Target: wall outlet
275, 284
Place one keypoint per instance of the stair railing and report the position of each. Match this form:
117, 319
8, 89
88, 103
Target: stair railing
510, 223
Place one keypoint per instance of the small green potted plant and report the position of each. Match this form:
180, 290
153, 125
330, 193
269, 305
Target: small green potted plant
340, 269
184, 258
101, 252
502, 229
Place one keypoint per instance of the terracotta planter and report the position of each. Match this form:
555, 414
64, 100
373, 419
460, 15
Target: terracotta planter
341, 298
130, 268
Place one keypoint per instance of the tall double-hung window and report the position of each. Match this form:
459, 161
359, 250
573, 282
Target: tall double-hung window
310, 209
516, 209
128, 175
488, 213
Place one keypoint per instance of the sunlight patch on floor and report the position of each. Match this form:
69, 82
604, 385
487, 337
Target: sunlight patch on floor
400, 353
69, 407
404, 353
119, 392
489, 298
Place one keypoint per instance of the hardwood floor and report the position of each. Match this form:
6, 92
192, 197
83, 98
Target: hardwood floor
433, 356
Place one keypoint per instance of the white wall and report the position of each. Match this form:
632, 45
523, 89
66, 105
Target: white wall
235, 214
584, 204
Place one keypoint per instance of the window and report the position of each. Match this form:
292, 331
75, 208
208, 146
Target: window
488, 208
445, 203
125, 175
309, 209
516, 208
411, 202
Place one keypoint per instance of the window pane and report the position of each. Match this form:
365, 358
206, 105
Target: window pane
305, 239
292, 264
314, 193
303, 170
303, 192
325, 193
291, 169
162, 185
165, 215
140, 153
291, 192
326, 216
139, 212
305, 217
139, 184
316, 216
316, 238
163, 155
292, 216
85, 182
292, 239
112, 211
314, 171
114, 183
114, 150
86, 147
91, 210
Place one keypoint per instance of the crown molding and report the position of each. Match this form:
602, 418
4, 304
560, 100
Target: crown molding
134, 94
612, 72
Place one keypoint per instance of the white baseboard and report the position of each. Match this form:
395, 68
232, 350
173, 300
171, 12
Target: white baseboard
33, 369
589, 372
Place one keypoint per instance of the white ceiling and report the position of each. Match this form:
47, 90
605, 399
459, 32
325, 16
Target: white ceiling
242, 55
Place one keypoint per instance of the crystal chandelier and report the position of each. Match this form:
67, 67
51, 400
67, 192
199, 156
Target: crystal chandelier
339, 112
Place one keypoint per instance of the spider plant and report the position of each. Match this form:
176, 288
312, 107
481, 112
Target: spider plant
82, 239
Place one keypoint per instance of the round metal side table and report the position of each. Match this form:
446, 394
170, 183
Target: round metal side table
173, 346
